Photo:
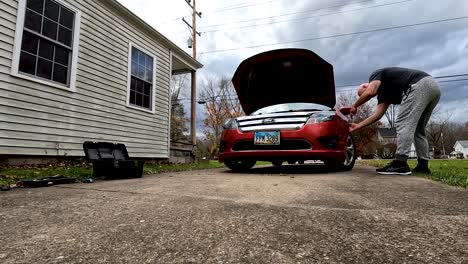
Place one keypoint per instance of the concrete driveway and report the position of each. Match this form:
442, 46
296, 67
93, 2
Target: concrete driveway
296, 214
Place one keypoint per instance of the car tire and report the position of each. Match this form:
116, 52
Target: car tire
350, 157
277, 163
239, 165
301, 162
291, 162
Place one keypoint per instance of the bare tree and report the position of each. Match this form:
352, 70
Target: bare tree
221, 104
178, 118
365, 138
460, 132
178, 83
454, 132
438, 131
391, 115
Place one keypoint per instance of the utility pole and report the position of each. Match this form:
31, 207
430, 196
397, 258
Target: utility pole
193, 119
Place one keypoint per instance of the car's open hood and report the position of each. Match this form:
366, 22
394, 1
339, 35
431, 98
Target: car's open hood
284, 76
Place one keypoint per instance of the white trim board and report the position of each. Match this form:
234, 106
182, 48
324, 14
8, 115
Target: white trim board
169, 103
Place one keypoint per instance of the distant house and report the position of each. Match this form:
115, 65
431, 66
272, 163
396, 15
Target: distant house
386, 138
79, 70
460, 149
413, 154
387, 135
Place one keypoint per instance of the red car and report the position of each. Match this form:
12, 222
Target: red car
289, 97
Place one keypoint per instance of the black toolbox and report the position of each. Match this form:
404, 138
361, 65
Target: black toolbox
112, 161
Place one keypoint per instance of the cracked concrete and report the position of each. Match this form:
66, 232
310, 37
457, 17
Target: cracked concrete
295, 214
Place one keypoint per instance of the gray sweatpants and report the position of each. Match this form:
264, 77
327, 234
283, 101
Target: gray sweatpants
413, 115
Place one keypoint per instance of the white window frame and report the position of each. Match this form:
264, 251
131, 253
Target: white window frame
71, 87
129, 79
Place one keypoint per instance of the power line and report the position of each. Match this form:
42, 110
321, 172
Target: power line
449, 81
289, 14
436, 77
306, 11
339, 35
221, 9
451, 76
243, 6
244, 3
354, 89
234, 97
303, 18
233, 5
228, 8
172, 20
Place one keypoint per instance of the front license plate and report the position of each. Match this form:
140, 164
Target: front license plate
267, 138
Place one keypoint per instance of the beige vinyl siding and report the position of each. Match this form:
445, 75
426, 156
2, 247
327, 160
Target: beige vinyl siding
37, 119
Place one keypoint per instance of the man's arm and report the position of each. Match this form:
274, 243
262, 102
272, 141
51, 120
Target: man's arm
368, 94
380, 110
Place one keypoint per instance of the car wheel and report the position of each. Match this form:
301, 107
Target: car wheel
277, 163
240, 165
350, 157
301, 162
291, 162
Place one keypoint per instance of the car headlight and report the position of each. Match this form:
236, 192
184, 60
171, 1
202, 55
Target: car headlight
230, 124
320, 117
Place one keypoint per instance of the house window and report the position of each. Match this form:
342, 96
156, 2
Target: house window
141, 80
47, 42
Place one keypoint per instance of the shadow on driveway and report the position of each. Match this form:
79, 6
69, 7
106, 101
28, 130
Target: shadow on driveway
289, 169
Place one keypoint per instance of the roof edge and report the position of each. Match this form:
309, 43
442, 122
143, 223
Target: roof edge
463, 143
151, 30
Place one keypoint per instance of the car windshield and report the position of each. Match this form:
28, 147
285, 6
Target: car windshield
291, 107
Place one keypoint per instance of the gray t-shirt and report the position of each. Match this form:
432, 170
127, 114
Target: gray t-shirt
395, 82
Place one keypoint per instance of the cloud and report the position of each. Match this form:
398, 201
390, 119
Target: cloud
439, 49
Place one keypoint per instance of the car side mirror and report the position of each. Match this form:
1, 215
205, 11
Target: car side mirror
345, 110
344, 113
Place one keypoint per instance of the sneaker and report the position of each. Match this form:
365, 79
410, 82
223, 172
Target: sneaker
421, 169
395, 167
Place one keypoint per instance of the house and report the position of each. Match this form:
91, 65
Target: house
460, 149
413, 154
388, 136
79, 70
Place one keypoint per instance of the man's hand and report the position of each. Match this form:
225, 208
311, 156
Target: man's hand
353, 111
379, 112
353, 127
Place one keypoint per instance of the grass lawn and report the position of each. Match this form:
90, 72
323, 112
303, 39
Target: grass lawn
452, 172
80, 172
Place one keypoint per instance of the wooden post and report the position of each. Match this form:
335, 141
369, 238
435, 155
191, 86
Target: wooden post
193, 122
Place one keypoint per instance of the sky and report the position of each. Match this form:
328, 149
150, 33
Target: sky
402, 34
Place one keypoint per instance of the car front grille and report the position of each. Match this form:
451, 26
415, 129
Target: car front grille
279, 121
290, 144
